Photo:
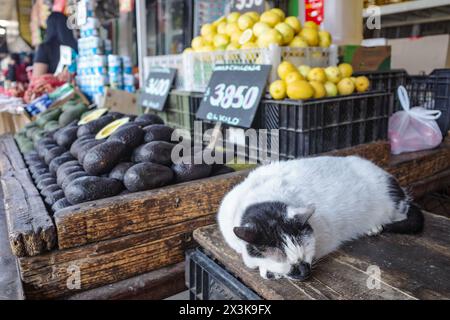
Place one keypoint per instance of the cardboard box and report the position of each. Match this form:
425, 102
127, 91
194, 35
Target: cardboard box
421, 55
376, 58
120, 101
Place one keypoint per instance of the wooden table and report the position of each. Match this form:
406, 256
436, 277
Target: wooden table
411, 267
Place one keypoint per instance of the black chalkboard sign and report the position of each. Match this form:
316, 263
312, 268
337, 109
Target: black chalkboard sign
248, 5
234, 93
156, 88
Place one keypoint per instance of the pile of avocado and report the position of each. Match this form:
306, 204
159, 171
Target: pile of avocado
102, 155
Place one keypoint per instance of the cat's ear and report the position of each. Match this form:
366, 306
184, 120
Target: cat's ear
302, 215
246, 234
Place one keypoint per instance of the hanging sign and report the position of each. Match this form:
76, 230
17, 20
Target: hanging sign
157, 87
247, 5
314, 11
234, 93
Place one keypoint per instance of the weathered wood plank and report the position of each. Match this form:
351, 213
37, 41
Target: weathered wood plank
155, 285
10, 156
139, 212
31, 230
412, 267
47, 276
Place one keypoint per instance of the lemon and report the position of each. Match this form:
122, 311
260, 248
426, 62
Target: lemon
346, 87
304, 70
346, 70
317, 74
362, 84
235, 37
271, 18
247, 36
286, 31
208, 30
278, 90
279, 12
245, 22
319, 89
111, 128
233, 17
221, 40
270, 37
298, 42
222, 28
324, 39
254, 15
300, 90
188, 50
333, 74
353, 79
232, 28
198, 42
220, 21
294, 23
259, 28
311, 25
233, 46
249, 45
206, 48
293, 76
331, 89
93, 115
285, 68
311, 36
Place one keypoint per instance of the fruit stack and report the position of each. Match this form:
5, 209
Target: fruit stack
304, 82
252, 30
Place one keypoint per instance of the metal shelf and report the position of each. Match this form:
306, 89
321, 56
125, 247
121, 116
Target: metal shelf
409, 7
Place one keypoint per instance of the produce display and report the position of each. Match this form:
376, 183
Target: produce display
76, 155
252, 30
304, 82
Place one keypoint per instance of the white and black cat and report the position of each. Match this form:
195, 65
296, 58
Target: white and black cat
287, 214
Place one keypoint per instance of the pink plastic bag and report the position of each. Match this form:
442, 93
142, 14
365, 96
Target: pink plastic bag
413, 129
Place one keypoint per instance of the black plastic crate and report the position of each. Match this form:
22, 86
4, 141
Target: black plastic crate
431, 92
207, 280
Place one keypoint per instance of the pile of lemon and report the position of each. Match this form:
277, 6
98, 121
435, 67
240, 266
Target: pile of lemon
252, 30
305, 83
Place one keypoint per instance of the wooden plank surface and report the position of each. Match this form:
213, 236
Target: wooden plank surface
10, 283
47, 276
411, 267
10, 156
156, 285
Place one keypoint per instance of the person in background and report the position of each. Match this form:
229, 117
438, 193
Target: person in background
47, 54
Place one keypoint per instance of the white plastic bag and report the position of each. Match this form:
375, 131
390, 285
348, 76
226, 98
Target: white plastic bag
413, 129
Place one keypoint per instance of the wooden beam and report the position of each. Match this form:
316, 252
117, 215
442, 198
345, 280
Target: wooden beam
10, 156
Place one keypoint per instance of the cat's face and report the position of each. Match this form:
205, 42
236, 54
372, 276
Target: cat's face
279, 239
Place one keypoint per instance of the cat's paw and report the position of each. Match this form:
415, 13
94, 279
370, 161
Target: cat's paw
375, 231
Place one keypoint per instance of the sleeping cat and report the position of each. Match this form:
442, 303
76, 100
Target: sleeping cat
287, 214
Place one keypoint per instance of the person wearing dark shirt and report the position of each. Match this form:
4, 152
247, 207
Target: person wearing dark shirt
58, 34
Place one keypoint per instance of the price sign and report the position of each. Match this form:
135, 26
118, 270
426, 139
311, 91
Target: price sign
233, 94
248, 5
157, 87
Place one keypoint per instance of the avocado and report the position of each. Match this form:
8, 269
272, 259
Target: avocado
63, 173
79, 142
53, 197
85, 148
103, 157
70, 104
44, 148
30, 132
147, 176
49, 190
69, 178
53, 153
38, 135
26, 147
31, 155
51, 125
66, 136
34, 168
119, 171
130, 135
219, 169
60, 204
116, 115
188, 172
38, 172
111, 128
44, 141
157, 152
71, 114
92, 115
95, 126
56, 162
47, 116
145, 120
45, 183
43, 176
158, 132
86, 189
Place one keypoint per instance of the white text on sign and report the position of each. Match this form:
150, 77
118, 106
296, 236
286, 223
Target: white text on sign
234, 97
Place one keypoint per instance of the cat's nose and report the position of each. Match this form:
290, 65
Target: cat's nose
300, 271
